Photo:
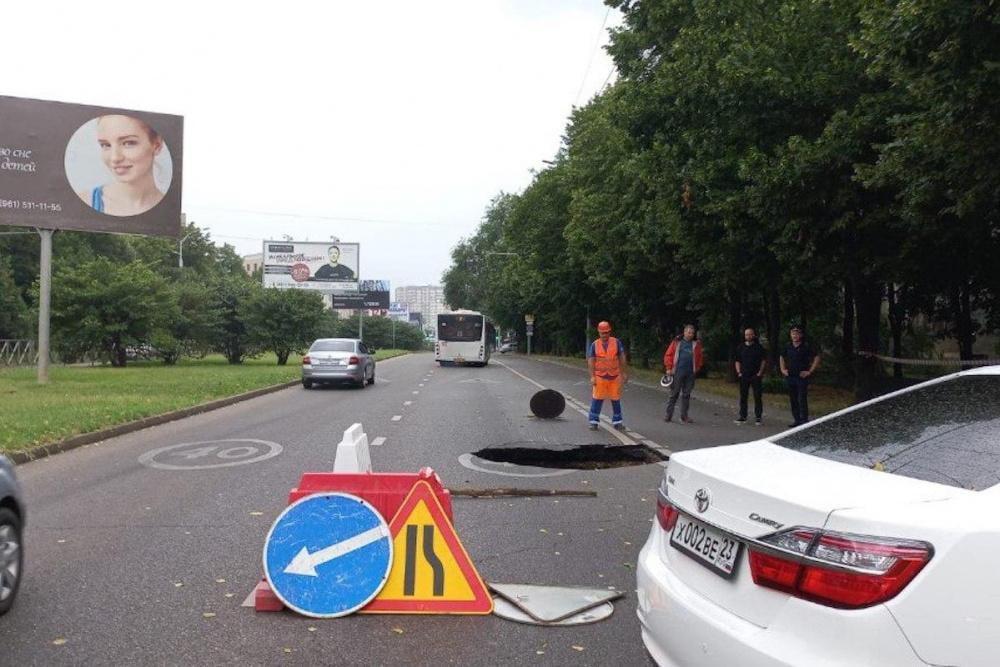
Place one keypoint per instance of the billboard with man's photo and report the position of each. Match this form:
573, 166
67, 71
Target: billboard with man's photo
97, 169
327, 267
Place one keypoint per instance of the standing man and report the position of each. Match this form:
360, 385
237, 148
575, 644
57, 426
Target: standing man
608, 372
798, 363
751, 362
682, 360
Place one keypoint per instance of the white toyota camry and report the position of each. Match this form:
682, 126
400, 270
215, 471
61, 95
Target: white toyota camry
868, 537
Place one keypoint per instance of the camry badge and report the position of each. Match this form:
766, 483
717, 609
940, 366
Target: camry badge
702, 500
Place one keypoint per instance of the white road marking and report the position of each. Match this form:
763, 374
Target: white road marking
193, 455
421, 384
396, 418
584, 410
407, 402
416, 392
377, 442
467, 461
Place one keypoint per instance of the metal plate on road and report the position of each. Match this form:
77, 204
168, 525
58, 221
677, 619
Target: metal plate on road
549, 604
210, 454
505, 609
328, 555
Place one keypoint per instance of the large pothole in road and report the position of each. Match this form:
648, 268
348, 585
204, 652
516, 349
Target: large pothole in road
580, 457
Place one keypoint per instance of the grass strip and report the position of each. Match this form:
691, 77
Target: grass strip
82, 399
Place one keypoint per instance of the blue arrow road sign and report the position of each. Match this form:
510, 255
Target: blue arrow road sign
328, 555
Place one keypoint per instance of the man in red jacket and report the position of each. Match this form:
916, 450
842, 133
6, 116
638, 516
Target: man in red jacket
682, 360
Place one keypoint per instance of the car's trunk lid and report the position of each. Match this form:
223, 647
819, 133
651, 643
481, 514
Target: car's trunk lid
758, 488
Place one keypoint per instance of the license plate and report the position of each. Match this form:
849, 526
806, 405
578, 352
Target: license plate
712, 548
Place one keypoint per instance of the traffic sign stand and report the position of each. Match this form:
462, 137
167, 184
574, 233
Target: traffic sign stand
436, 577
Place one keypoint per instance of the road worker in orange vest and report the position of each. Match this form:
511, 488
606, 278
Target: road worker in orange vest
608, 373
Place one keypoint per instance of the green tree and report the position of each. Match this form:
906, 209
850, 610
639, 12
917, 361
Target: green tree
231, 296
191, 331
284, 321
15, 320
101, 307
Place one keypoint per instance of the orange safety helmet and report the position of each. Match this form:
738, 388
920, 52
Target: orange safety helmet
603, 326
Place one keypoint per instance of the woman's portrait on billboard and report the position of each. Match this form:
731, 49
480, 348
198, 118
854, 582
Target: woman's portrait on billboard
118, 165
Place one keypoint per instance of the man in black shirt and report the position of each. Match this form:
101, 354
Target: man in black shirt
334, 270
798, 363
751, 361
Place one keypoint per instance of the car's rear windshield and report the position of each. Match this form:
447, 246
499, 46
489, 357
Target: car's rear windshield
459, 328
947, 432
332, 346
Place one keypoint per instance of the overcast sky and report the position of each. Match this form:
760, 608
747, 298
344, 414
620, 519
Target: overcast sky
390, 124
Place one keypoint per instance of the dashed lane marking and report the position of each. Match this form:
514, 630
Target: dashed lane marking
378, 442
396, 418
407, 402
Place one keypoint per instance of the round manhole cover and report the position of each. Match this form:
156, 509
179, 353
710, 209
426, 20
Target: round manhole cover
547, 404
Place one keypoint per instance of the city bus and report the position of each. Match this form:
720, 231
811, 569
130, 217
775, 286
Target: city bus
463, 337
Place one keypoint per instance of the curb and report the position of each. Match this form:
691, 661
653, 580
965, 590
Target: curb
43, 451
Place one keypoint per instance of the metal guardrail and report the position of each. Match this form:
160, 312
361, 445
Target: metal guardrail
17, 352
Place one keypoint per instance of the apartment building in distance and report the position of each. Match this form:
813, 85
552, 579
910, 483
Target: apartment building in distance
428, 300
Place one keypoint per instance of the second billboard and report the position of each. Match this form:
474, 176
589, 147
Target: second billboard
327, 267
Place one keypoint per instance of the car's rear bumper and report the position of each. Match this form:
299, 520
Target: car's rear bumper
680, 627
333, 374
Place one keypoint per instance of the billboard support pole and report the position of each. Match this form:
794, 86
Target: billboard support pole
44, 304
361, 324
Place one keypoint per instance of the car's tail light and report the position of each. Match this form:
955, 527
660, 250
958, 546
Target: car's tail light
837, 569
353, 361
666, 513
306, 360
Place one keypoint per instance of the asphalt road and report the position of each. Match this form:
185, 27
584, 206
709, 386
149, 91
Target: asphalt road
129, 563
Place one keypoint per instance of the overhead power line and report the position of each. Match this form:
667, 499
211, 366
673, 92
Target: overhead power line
590, 62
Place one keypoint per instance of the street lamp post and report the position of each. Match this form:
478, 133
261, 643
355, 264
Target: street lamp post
180, 245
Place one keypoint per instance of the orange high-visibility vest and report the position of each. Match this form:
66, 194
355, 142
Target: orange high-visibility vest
607, 370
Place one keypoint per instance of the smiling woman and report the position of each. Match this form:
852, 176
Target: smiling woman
130, 171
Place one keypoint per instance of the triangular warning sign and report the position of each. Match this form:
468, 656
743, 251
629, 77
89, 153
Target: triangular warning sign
431, 571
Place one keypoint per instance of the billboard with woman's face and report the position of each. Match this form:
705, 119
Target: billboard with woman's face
70, 166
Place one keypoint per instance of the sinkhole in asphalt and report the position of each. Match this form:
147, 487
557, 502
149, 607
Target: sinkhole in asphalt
578, 457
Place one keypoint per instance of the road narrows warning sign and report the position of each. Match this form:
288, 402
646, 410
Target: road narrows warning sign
431, 571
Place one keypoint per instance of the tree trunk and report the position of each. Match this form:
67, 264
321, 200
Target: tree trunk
847, 341
962, 312
283, 357
896, 318
868, 302
772, 315
121, 358
735, 320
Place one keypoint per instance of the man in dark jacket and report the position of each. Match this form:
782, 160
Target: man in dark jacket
682, 360
751, 362
798, 363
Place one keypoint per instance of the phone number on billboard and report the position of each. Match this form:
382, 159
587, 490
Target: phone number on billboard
30, 205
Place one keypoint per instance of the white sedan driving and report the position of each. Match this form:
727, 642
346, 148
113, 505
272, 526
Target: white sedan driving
868, 537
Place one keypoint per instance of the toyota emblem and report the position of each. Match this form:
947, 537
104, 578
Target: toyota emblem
702, 500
